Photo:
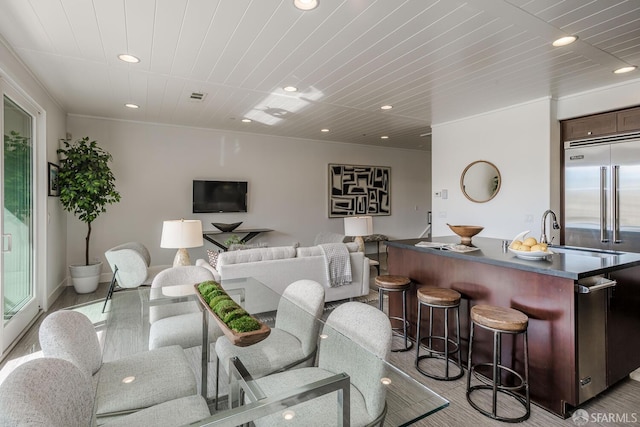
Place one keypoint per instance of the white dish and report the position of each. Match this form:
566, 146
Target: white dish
537, 255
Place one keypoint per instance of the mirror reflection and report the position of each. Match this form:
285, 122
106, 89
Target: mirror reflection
480, 181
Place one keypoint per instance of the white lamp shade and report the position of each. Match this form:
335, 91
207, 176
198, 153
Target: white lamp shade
181, 233
358, 226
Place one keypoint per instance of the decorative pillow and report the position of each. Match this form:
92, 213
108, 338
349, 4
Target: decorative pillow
213, 257
256, 254
316, 251
244, 246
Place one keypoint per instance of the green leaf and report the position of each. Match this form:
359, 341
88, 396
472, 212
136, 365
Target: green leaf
86, 182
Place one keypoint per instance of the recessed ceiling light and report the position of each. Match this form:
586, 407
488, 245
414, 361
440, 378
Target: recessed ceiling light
128, 380
290, 89
563, 41
306, 4
625, 69
246, 120
385, 381
324, 130
128, 58
384, 137
386, 107
132, 106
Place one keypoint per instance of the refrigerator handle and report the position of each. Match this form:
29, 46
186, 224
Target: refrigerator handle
603, 204
616, 203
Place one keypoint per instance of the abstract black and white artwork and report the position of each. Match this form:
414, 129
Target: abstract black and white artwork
359, 190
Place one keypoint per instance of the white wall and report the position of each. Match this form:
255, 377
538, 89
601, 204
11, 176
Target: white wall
51, 231
599, 100
523, 142
155, 164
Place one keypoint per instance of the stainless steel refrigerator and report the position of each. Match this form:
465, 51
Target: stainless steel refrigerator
602, 194
602, 211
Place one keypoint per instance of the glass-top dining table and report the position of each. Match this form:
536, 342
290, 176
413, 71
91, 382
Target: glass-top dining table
127, 331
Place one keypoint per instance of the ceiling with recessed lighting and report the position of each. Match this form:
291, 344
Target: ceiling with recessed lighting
431, 61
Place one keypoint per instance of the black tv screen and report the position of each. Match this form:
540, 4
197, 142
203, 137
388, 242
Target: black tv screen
219, 196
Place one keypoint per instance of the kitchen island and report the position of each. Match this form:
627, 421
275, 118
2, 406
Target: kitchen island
583, 331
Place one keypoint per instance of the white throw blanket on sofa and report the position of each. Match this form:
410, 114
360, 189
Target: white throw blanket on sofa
338, 263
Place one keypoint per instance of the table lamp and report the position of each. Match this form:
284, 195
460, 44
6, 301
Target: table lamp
181, 234
358, 226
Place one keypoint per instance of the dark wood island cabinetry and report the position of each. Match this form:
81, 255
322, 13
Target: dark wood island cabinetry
579, 344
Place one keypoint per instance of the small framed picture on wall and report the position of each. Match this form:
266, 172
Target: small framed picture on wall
54, 188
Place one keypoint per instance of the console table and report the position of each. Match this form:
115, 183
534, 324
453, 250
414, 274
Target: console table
249, 233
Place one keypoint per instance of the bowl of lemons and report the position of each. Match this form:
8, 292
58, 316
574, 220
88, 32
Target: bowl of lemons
528, 247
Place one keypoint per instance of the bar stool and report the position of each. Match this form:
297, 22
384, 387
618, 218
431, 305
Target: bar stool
499, 320
388, 283
444, 299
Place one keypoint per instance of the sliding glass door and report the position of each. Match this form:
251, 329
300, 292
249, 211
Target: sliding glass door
19, 303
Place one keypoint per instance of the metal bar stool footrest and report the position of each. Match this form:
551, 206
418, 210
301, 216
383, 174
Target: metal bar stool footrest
399, 332
517, 397
435, 354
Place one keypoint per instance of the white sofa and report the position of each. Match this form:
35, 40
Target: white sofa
280, 266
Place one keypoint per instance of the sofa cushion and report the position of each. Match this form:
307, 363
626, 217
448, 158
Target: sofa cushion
257, 254
317, 251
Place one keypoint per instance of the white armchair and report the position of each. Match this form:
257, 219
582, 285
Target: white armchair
179, 323
356, 341
131, 266
56, 393
293, 340
160, 375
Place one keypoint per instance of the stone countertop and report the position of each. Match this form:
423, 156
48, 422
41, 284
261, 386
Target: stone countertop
573, 265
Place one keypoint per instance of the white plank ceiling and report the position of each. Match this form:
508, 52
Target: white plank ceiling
434, 61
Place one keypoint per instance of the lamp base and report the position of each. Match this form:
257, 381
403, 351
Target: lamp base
360, 241
182, 258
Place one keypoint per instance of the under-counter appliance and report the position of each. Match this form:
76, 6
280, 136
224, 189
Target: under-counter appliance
602, 193
591, 310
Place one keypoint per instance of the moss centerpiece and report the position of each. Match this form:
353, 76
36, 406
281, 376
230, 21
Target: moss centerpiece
238, 325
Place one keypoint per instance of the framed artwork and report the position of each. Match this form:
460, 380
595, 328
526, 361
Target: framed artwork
54, 189
359, 190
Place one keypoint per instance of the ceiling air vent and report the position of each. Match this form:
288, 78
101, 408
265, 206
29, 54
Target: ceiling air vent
197, 96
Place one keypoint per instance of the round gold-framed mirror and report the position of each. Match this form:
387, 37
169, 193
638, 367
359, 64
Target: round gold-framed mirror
480, 181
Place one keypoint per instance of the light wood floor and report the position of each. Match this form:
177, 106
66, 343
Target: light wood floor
618, 406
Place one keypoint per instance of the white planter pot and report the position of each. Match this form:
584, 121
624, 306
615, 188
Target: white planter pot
85, 278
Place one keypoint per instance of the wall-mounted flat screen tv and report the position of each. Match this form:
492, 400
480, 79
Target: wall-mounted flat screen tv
219, 196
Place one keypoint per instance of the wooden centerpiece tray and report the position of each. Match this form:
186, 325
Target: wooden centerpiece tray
241, 339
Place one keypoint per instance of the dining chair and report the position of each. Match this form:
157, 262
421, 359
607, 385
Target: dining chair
56, 393
293, 340
131, 266
123, 385
356, 340
179, 323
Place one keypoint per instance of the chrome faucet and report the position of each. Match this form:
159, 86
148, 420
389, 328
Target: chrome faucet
556, 226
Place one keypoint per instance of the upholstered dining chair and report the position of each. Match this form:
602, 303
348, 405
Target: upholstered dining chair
179, 323
293, 340
55, 393
356, 340
124, 385
131, 266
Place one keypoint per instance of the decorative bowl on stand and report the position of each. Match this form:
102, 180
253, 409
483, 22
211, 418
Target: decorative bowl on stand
466, 232
226, 227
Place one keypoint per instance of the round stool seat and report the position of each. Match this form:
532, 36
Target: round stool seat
432, 295
499, 318
392, 282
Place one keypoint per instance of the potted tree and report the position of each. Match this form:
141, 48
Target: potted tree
86, 185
